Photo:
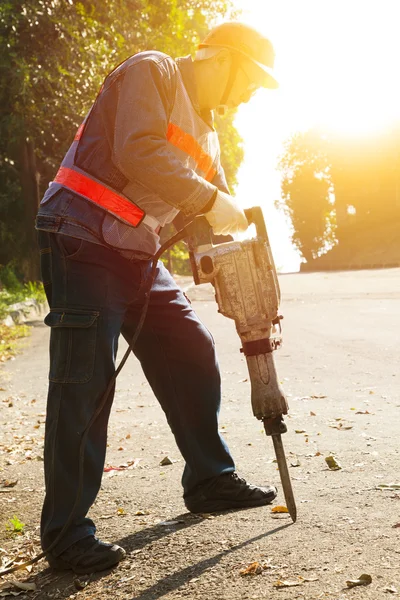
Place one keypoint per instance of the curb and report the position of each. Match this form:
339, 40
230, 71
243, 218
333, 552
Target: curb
21, 312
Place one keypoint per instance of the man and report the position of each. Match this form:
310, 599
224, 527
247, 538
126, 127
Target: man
146, 151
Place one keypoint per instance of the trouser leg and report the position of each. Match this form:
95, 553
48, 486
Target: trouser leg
178, 357
87, 307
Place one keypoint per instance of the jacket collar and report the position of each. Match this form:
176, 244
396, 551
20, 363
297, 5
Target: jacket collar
185, 65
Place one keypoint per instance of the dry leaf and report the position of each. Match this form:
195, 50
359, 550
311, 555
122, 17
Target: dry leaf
166, 461
300, 431
312, 414
364, 579
279, 509
397, 525
253, 568
121, 512
111, 468
9, 484
388, 486
284, 584
332, 463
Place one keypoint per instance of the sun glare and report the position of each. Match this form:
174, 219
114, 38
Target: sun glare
337, 64
337, 60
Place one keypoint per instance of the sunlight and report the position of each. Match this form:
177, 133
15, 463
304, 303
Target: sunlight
337, 64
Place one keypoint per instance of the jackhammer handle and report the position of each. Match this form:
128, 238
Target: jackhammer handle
255, 215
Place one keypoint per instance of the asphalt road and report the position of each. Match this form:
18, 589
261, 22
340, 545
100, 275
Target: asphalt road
339, 367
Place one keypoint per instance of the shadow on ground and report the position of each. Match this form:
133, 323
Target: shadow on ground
50, 581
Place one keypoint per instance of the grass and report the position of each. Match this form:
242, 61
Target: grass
11, 340
11, 292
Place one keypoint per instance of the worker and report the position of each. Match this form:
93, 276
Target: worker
146, 152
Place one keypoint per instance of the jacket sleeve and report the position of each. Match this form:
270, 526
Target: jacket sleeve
140, 137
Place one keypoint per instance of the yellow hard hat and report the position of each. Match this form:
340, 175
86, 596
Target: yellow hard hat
248, 42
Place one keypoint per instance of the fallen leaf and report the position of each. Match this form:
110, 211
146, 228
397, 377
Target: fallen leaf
312, 414
111, 468
121, 511
388, 486
165, 461
397, 525
332, 463
140, 513
364, 412
9, 484
284, 584
364, 579
279, 509
300, 431
318, 396
295, 463
253, 568
341, 426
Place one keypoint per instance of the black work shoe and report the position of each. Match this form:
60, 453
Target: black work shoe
87, 556
225, 492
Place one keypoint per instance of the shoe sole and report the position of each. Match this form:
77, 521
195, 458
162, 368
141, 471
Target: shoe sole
61, 565
227, 505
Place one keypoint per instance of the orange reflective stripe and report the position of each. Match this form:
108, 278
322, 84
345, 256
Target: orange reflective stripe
186, 142
79, 132
102, 195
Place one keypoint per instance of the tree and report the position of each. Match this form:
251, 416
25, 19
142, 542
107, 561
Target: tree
307, 193
54, 55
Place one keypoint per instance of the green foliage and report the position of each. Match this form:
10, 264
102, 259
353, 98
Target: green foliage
9, 279
15, 526
12, 290
307, 194
10, 339
35, 290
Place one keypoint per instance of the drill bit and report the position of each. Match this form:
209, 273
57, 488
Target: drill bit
284, 474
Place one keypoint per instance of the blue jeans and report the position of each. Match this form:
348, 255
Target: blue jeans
94, 295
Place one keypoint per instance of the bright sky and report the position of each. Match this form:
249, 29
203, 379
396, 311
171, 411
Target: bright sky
337, 62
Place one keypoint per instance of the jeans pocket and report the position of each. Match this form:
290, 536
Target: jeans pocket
72, 345
70, 247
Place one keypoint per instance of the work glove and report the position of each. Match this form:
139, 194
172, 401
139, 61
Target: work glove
226, 216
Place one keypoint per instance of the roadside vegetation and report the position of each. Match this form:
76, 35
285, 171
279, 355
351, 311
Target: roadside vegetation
12, 292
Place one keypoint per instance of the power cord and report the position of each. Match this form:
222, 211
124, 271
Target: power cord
148, 284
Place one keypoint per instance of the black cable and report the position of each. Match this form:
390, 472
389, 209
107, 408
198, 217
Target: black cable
148, 284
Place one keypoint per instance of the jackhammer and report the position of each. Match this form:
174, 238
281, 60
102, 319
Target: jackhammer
247, 290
